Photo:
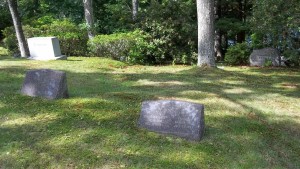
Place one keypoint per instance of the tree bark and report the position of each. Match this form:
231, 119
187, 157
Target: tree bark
13, 8
218, 45
218, 33
135, 7
88, 14
241, 36
205, 14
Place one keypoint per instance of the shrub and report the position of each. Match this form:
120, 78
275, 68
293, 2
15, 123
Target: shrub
237, 54
73, 40
171, 35
115, 46
293, 57
268, 63
10, 40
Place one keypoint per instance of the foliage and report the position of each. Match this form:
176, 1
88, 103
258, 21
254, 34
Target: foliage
5, 18
136, 47
268, 62
115, 46
73, 40
249, 116
293, 56
32, 10
113, 16
278, 26
173, 33
237, 54
232, 26
10, 40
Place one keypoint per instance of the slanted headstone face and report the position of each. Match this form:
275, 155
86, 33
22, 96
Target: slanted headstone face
46, 83
44, 48
260, 56
178, 118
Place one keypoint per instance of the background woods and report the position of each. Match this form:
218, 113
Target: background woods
161, 31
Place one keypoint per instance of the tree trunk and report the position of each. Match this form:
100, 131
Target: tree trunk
23, 47
135, 7
205, 13
241, 36
218, 34
88, 14
218, 45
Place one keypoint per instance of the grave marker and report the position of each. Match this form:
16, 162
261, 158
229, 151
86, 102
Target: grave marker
46, 83
44, 48
179, 118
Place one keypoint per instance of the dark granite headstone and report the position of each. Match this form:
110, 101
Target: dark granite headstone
46, 83
179, 118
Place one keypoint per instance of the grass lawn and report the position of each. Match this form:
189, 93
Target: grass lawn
252, 117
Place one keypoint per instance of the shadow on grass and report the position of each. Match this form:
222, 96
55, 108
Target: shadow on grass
97, 127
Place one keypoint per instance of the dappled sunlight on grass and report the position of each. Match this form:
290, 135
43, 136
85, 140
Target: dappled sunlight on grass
237, 91
70, 138
40, 118
146, 82
251, 116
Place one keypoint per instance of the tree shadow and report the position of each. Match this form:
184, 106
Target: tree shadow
97, 126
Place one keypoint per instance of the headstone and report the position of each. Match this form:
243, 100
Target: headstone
46, 83
44, 48
178, 118
260, 56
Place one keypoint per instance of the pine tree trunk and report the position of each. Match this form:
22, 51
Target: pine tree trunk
23, 47
205, 13
135, 7
88, 14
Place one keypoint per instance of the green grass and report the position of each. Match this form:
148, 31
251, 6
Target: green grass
252, 117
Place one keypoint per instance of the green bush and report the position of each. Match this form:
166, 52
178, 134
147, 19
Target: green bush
172, 34
237, 54
115, 46
268, 63
73, 40
10, 40
293, 56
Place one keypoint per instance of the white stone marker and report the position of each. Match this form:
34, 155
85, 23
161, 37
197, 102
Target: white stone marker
44, 48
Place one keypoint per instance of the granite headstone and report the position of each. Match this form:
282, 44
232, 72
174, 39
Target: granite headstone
260, 56
44, 48
46, 83
178, 118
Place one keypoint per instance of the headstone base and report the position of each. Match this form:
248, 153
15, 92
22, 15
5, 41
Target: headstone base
62, 57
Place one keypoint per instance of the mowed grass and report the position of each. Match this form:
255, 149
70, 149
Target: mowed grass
252, 117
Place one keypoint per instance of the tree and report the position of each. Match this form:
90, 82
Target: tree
135, 6
13, 7
88, 13
205, 14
